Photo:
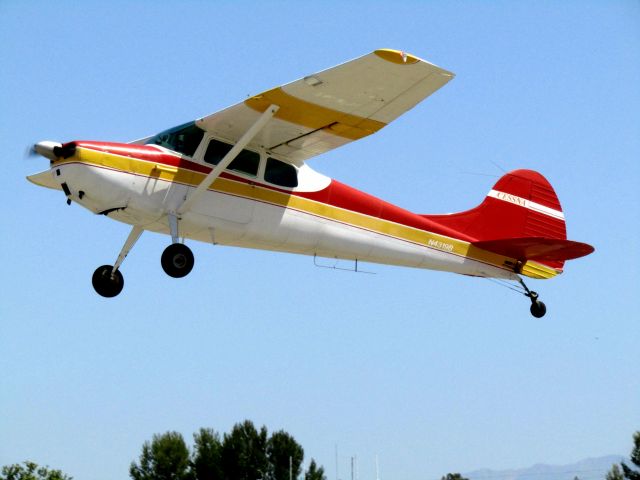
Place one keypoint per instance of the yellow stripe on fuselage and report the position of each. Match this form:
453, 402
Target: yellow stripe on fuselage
330, 212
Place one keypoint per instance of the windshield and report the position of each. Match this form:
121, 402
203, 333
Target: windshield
182, 139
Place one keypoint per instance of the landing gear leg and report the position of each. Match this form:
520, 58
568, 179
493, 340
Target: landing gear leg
177, 259
107, 280
538, 308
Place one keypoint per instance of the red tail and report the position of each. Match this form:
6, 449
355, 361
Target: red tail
521, 217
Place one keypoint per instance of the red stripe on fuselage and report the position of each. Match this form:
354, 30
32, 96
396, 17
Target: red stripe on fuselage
149, 153
339, 195
336, 194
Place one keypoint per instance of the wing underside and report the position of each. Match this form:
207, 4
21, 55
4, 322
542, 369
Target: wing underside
333, 107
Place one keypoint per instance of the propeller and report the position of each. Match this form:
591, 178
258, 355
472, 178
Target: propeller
30, 151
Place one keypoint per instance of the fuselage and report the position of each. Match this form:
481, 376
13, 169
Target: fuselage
141, 184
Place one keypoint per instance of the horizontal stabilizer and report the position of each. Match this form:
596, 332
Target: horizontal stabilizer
536, 248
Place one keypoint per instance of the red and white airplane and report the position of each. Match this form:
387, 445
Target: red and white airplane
240, 177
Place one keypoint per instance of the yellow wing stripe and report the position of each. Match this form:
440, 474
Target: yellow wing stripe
314, 116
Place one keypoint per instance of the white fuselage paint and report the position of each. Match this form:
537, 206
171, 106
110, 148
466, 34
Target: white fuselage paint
225, 219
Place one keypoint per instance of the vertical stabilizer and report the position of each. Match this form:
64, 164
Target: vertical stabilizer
520, 217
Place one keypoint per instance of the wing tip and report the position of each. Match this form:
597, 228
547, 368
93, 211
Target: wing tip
398, 57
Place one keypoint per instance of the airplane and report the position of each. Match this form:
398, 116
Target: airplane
240, 177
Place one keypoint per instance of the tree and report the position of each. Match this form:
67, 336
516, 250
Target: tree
615, 473
314, 472
281, 450
165, 458
31, 471
244, 453
207, 455
453, 476
629, 473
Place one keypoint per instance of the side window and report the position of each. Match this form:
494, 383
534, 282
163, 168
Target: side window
246, 162
280, 173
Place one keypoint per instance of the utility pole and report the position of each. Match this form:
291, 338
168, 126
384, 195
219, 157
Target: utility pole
357, 472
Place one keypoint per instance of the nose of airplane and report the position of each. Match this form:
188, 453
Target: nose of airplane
53, 150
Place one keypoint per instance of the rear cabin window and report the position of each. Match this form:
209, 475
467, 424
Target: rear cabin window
183, 139
281, 173
246, 161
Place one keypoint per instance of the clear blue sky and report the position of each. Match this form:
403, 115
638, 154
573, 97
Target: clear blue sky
433, 372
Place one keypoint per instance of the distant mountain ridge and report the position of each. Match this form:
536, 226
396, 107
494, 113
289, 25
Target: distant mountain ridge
587, 469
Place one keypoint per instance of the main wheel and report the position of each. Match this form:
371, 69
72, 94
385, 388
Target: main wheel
538, 309
106, 282
177, 260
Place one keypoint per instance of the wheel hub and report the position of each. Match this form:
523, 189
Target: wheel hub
179, 261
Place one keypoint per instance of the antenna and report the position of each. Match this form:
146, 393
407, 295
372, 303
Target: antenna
496, 164
377, 469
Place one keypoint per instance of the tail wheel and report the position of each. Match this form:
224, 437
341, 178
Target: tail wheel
177, 260
106, 282
538, 308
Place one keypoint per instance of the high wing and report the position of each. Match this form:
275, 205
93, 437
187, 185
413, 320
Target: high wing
333, 107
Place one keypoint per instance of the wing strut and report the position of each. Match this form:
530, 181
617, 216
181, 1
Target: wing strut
228, 158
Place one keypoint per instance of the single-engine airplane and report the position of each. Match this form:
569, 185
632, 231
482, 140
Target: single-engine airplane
240, 177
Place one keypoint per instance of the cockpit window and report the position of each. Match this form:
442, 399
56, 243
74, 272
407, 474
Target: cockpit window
246, 161
182, 139
280, 173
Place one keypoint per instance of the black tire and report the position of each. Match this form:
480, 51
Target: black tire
177, 260
538, 309
106, 282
